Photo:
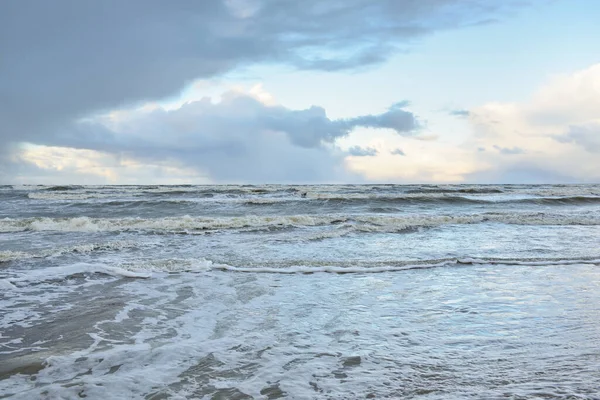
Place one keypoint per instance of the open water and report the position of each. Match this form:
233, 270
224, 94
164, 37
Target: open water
301, 292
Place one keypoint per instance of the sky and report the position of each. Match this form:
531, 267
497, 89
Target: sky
281, 91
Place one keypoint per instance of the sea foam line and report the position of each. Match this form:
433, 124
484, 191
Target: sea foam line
160, 268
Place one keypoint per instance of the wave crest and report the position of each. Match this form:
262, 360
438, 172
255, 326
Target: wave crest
365, 222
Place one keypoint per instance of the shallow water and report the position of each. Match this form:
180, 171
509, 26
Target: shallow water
300, 292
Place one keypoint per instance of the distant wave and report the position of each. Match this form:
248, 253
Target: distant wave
379, 195
465, 190
436, 198
55, 195
362, 222
63, 188
560, 200
174, 224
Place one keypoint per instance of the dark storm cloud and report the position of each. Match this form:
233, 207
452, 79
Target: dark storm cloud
65, 59
358, 151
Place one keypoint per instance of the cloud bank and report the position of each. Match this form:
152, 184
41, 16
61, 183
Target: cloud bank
236, 139
553, 137
73, 73
63, 60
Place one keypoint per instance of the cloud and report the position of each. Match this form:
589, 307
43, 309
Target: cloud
239, 138
64, 60
33, 164
587, 136
397, 152
358, 151
552, 137
509, 151
395, 118
460, 113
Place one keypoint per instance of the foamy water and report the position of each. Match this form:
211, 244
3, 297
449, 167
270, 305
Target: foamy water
303, 292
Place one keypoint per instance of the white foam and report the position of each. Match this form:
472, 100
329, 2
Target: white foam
61, 272
5, 284
171, 265
141, 269
86, 224
303, 269
365, 222
529, 262
8, 255
68, 195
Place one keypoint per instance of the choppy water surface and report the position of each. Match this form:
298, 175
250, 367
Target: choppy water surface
304, 292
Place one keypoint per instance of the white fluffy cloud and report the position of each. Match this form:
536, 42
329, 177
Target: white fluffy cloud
555, 136
34, 164
246, 137
241, 137
552, 137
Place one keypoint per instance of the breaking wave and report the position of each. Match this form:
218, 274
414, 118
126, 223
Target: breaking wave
61, 273
7, 256
439, 198
391, 267
465, 190
364, 222
158, 268
63, 188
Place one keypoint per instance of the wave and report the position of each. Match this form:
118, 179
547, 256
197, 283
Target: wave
391, 266
440, 198
68, 195
173, 224
363, 222
63, 188
147, 197
158, 268
141, 269
345, 194
337, 269
8, 255
306, 269
177, 265
6, 285
61, 273
574, 200
465, 190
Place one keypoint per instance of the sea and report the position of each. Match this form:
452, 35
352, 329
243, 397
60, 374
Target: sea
300, 292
